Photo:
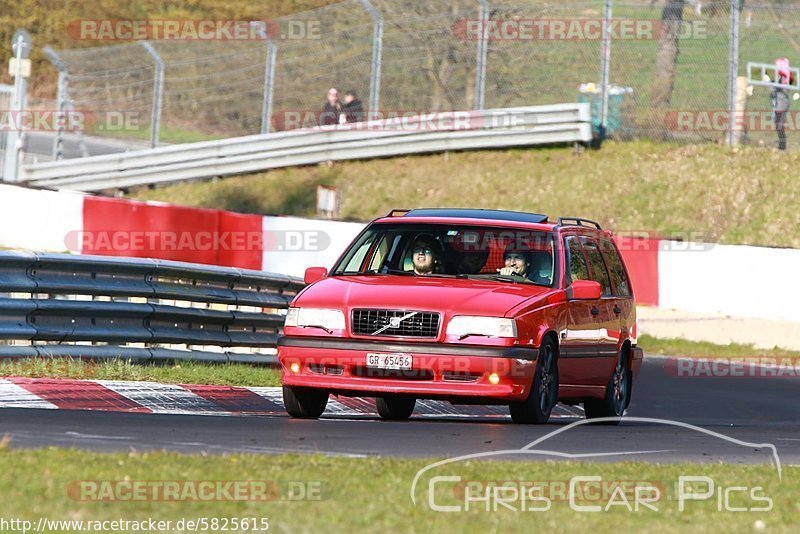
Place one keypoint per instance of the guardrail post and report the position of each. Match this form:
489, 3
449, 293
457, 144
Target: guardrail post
377, 55
482, 52
158, 93
64, 105
605, 67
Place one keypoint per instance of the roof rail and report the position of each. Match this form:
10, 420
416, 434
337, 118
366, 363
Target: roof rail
484, 214
397, 213
577, 221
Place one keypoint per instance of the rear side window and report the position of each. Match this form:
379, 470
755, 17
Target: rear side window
576, 261
618, 277
597, 266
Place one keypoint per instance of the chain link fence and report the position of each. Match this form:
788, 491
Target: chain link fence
670, 67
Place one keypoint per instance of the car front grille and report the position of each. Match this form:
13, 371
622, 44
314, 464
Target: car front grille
388, 323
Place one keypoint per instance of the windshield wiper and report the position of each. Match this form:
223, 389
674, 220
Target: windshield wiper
388, 270
497, 277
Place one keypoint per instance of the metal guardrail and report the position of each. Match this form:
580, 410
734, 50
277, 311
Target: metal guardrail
436, 132
96, 307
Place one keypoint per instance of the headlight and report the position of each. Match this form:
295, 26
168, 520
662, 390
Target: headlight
321, 318
465, 325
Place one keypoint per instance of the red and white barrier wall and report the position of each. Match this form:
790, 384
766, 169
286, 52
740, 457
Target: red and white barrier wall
733, 280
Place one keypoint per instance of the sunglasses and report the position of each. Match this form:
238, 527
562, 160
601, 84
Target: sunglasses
423, 250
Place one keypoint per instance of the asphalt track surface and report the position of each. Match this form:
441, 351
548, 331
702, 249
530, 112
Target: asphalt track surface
745, 410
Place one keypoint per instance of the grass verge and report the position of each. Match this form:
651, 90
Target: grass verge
187, 372
702, 192
704, 349
315, 493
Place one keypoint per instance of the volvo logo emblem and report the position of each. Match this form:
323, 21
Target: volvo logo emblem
394, 322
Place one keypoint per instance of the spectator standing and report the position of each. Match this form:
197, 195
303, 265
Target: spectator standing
353, 109
332, 110
779, 98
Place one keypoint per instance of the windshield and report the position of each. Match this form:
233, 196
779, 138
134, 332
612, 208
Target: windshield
502, 254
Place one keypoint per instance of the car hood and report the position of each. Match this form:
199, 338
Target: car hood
449, 295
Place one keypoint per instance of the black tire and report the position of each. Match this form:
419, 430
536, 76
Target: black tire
396, 408
543, 394
618, 393
304, 403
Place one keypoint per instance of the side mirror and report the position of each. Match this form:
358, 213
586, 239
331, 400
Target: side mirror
584, 290
315, 274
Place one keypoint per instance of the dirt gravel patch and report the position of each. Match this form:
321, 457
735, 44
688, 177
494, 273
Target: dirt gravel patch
720, 329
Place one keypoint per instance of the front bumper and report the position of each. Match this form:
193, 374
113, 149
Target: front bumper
438, 370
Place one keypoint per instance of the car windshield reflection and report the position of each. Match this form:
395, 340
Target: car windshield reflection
452, 251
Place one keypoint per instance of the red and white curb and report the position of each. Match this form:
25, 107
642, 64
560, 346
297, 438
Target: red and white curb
156, 398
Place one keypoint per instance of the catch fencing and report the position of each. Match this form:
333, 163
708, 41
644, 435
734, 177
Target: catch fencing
663, 70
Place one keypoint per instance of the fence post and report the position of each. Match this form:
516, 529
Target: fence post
20, 46
733, 71
158, 93
377, 52
269, 86
605, 68
480, 61
64, 105
269, 76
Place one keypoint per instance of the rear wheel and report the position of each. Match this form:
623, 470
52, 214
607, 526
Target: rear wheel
618, 393
543, 394
396, 408
304, 403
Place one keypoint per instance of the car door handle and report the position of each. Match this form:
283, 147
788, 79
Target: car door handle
595, 310
617, 310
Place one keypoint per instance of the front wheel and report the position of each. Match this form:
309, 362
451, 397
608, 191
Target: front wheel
618, 394
304, 403
396, 408
543, 394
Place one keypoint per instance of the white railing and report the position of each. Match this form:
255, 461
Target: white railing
435, 132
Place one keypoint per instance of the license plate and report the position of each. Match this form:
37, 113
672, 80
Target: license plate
388, 361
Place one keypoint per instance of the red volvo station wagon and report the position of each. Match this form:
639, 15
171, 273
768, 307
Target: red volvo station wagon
467, 306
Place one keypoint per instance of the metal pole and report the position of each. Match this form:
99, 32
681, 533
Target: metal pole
64, 106
733, 70
11, 164
377, 53
269, 87
269, 76
480, 61
158, 93
605, 66
61, 99
61, 105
